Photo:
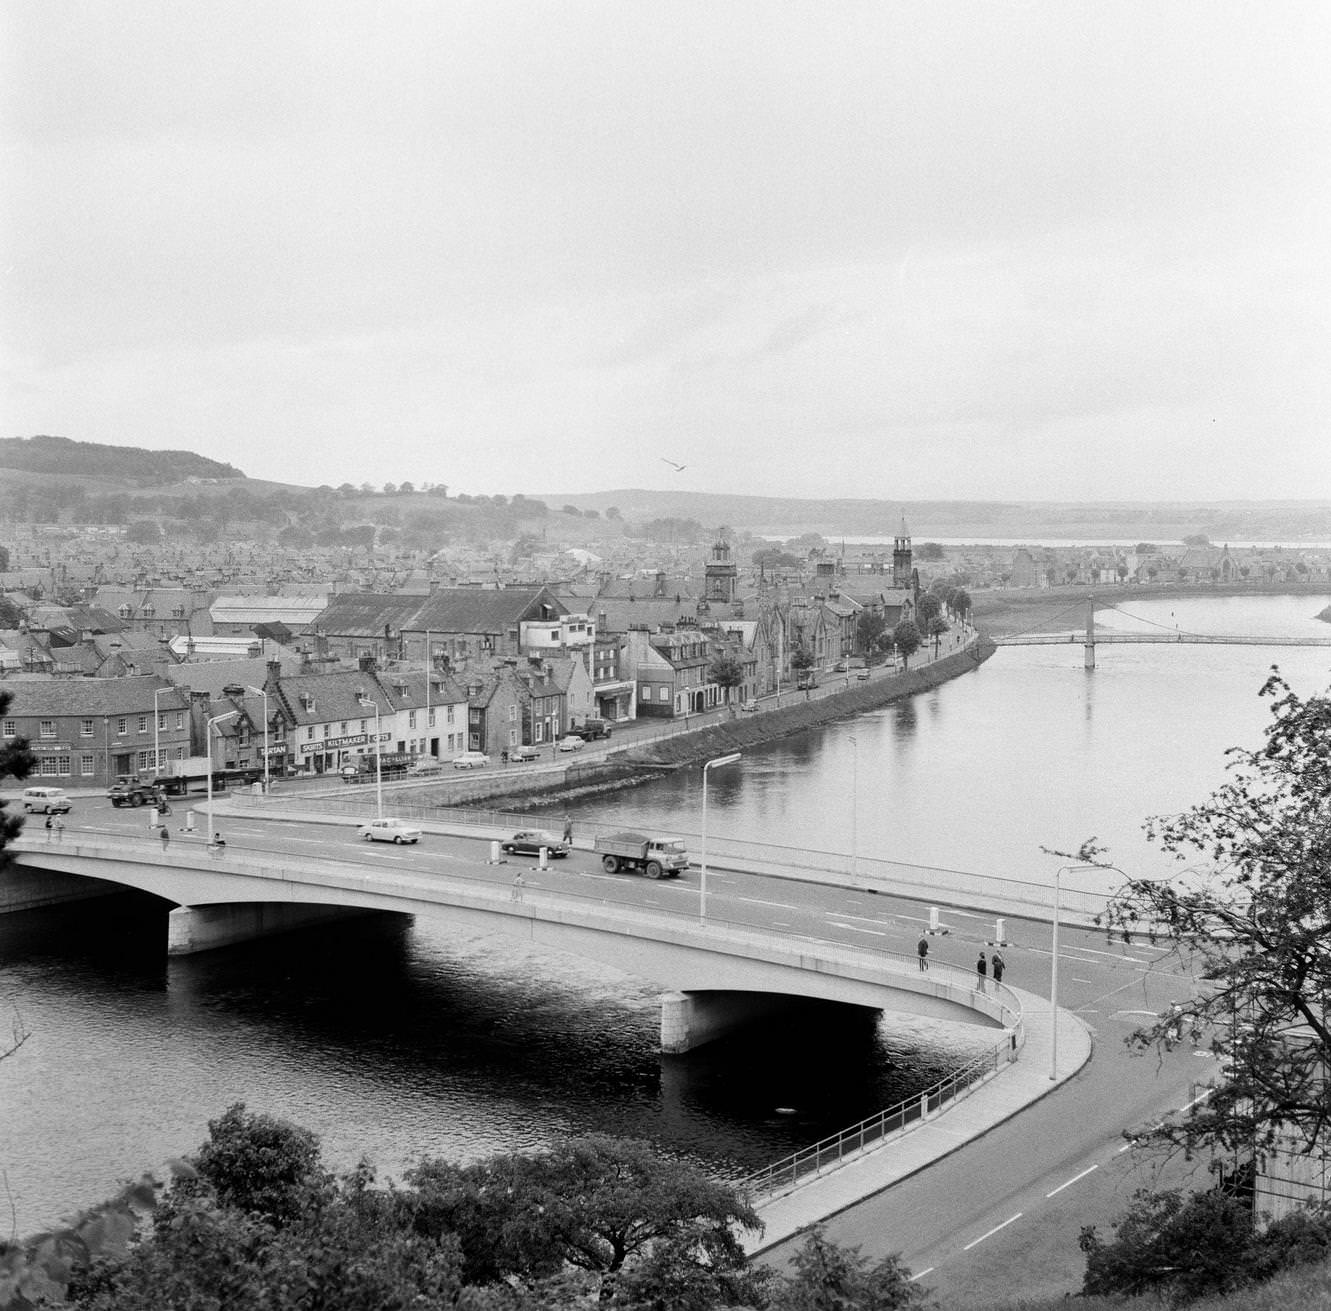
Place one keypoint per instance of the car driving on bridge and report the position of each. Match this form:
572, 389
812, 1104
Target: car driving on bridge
530, 841
389, 830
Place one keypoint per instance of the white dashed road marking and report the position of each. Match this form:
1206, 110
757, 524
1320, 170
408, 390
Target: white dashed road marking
975, 1242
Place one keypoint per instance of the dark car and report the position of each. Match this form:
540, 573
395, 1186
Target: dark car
529, 841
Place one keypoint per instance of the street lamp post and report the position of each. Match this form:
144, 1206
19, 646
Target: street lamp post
1053, 959
208, 736
702, 882
263, 694
378, 764
854, 797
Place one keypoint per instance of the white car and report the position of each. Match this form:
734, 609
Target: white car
389, 830
571, 743
427, 765
471, 760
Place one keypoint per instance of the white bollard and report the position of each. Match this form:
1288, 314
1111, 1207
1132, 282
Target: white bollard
152, 817
494, 852
933, 920
189, 821
1000, 933
543, 861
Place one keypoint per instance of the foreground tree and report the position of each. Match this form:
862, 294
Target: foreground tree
827, 1277
1184, 1247
16, 761
1253, 912
726, 672
602, 1206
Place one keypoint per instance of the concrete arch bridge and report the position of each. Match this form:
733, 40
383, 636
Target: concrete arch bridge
716, 977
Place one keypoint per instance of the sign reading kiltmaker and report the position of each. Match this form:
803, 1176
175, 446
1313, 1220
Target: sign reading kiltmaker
334, 743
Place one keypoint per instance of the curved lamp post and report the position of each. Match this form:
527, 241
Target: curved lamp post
702, 882
1053, 958
378, 765
208, 736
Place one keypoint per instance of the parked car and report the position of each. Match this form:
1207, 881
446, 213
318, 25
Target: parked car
426, 765
529, 841
48, 801
471, 760
839, 667
389, 830
520, 753
862, 675
571, 743
749, 707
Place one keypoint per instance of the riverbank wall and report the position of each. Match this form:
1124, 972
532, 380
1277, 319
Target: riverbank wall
639, 765
749, 731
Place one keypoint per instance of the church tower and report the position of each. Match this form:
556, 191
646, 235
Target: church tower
902, 574
721, 573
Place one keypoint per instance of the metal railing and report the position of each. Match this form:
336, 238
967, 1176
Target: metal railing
829, 1153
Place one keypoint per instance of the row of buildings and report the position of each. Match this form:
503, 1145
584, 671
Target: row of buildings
306, 690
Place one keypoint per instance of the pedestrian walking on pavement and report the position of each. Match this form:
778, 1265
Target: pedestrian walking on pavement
922, 951
568, 829
59, 829
166, 838
981, 970
49, 826
998, 965
518, 884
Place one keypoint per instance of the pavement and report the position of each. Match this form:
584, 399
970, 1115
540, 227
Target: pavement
1009, 1092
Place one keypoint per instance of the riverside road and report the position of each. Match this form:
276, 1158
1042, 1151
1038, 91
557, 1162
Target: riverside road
1009, 1202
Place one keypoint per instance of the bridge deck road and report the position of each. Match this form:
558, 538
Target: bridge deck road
976, 1218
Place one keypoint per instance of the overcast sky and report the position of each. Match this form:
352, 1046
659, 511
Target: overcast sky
1039, 250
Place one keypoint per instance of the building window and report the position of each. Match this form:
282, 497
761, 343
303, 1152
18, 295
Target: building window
309, 732
51, 765
665, 694
122, 726
85, 728
450, 714
342, 732
512, 737
431, 717
180, 753
11, 728
145, 760
47, 728
161, 719
411, 719
328, 730
538, 732
180, 719
512, 713
143, 723
87, 764
364, 725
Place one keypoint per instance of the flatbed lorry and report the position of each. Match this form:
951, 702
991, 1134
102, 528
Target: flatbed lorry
655, 857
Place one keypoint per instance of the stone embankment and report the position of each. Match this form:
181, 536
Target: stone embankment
857, 697
651, 760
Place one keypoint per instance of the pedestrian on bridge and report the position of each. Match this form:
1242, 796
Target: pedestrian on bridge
998, 965
59, 829
518, 884
981, 972
922, 951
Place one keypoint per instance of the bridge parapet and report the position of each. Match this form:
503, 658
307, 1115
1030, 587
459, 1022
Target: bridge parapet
679, 951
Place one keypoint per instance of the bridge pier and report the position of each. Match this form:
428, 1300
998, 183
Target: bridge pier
690, 1019
202, 928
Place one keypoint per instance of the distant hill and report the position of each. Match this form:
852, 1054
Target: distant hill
133, 464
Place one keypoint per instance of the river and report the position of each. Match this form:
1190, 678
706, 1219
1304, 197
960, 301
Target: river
393, 1040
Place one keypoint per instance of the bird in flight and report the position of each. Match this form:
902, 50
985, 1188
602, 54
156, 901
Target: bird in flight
672, 464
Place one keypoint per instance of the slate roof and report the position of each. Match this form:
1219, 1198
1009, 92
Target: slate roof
50, 698
447, 610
